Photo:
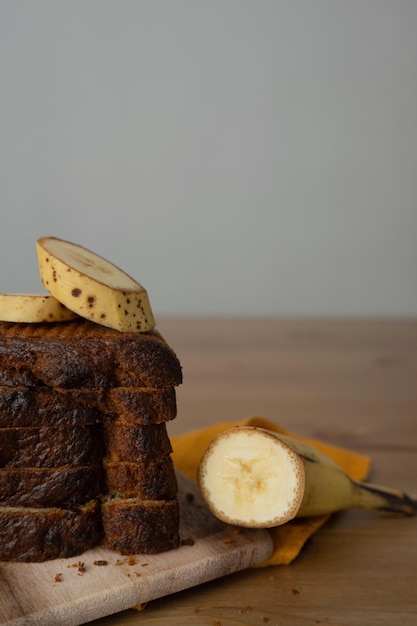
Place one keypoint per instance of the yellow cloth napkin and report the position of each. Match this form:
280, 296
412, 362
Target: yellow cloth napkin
289, 538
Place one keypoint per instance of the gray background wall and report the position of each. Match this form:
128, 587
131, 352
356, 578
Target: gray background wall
234, 156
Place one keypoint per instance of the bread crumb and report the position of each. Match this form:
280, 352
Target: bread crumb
58, 577
129, 560
100, 562
189, 541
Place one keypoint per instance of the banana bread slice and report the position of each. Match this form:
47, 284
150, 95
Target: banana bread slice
140, 405
135, 526
47, 446
36, 535
151, 480
45, 406
55, 406
49, 487
135, 442
80, 353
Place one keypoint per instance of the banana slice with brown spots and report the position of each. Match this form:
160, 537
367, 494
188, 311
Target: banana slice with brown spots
92, 287
33, 308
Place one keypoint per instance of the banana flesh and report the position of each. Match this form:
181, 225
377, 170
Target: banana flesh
256, 478
33, 308
249, 479
92, 287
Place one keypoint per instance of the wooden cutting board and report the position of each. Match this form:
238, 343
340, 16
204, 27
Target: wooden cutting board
68, 592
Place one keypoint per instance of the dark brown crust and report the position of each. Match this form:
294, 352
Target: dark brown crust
141, 406
49, 487
132, 526
50, 447
80, 353
43, 534
154, 480
135, 442
46, 406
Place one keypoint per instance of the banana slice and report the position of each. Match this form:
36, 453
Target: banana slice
33, 308
249, 478
92, 287
256, 478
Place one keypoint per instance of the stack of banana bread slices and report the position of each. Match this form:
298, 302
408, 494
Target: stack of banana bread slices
85, 457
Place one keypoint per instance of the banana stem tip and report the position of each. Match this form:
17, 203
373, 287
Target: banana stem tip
387, 501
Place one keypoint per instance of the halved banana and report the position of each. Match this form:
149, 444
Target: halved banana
33, 308
92, 287
252, 477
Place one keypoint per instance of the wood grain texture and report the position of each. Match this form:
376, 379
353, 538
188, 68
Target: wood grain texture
351, 382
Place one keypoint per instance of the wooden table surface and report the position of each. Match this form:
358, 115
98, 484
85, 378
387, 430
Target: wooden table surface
347, 382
